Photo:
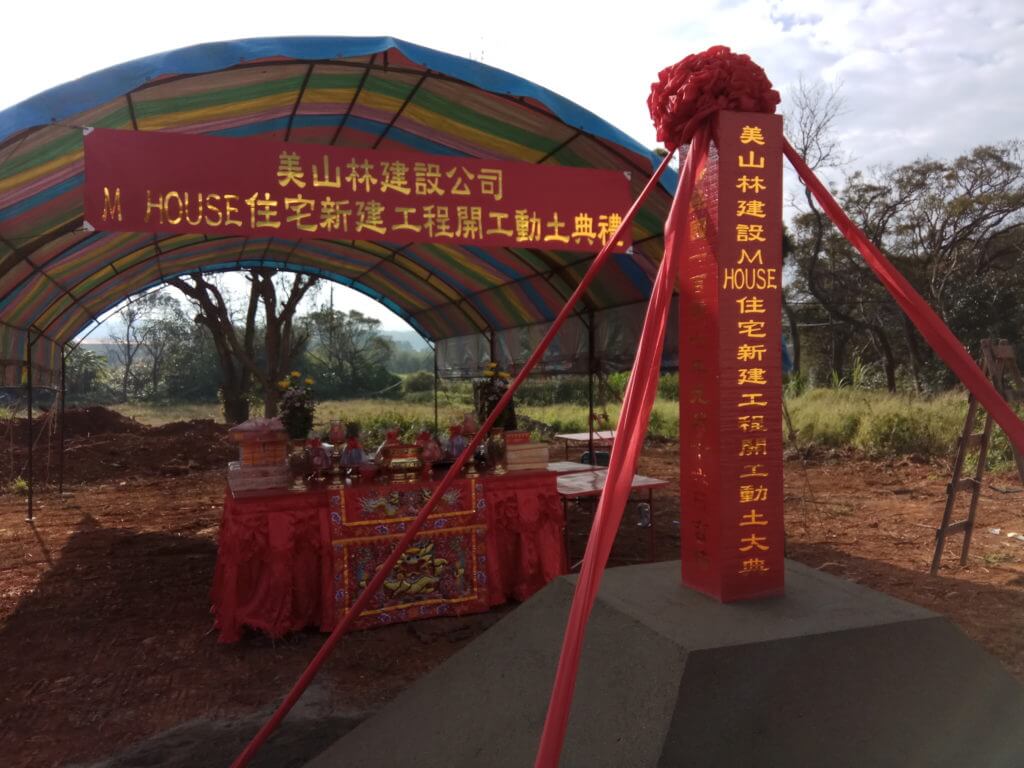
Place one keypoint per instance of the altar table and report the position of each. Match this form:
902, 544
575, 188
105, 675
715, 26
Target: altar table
292, 559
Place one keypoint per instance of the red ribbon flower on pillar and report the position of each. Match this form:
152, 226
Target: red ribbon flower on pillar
704, 83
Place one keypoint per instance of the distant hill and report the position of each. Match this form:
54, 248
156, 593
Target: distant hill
411, 338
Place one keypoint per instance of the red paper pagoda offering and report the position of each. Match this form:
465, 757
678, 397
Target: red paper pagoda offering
262, 456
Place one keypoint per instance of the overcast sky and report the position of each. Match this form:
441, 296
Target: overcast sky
918, 77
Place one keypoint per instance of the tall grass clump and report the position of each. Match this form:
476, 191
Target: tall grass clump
879, 424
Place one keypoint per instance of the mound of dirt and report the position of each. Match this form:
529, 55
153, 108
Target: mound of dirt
97, 420
102, 445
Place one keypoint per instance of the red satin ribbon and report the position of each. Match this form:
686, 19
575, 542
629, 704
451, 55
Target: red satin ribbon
934, 331
632, 429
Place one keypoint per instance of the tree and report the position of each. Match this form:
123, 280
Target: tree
350, 353
810, 123
236, 348
128, 343
954, 229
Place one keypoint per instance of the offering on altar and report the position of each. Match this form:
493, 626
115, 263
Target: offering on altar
320, 460
262, 456
402, 461
352, 455
522, 454
457, 442
430, 449
297, 405
261, 442
390, 438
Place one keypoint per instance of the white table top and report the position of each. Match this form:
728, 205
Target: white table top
561, 467
605, 436
591, 483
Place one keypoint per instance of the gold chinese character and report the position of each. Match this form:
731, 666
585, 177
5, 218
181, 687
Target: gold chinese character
751, 134
491, 183
527, 226
426, 178
263, 212
499, 228
360, 174
405, 224
394, 176
754, 470
751, 423
751, 352
460, 185
437, 221
750, 233
751, 305
750, 446
754, 565
753, 329
370, 215
753, 541
300, 210
751, 161
753, 184
326, 181
752, 493
333, 216
469, 222
583, 228
752, 399
607, 226
752, 208
289, 171
555, 226
752, 376
753, 517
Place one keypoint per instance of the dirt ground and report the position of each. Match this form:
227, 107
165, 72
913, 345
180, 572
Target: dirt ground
106, 638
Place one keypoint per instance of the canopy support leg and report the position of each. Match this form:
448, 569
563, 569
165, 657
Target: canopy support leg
435, 389
60, 425
28, 386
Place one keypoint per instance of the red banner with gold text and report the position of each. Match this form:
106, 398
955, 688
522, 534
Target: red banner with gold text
730, 366
140, 181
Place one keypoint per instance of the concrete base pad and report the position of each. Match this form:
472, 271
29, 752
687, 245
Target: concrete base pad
830, 674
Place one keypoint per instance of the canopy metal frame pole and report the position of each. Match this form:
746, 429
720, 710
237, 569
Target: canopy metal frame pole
590, 390
436, 379
28, 386
60, 425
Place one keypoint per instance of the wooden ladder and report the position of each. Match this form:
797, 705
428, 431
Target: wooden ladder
999, 363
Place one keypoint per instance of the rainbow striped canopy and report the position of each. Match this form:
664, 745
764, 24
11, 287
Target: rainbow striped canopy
57, 278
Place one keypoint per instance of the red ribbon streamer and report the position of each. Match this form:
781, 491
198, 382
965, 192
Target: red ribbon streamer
633, 420
934, 331
403, 544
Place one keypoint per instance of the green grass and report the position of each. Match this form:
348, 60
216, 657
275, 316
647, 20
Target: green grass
879, 424
875, 424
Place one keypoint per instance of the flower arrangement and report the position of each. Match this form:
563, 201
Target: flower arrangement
488, 391
297, 404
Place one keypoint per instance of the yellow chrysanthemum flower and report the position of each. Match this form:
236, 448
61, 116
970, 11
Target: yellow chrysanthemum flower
295, 374
489, 374
283, 384
309, 382
504, 375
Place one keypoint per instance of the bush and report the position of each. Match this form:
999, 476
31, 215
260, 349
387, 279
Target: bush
420, 381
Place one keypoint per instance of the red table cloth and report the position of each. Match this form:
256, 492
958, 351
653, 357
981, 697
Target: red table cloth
289, 560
